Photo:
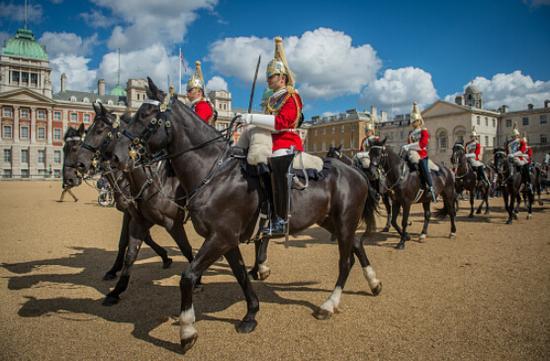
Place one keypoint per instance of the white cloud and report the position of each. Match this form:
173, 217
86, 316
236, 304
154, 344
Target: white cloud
514, 89
150, 22
216, 83
17, 12
79, 77
67, 44
154, 61
399, 88
325, 62
97, 19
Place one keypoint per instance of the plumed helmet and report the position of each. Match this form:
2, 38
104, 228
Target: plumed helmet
515, 131
197, 80
416, 116
474, 132
278, 65
368, 127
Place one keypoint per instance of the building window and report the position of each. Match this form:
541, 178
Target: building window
334, 130
342, 129
325, 131
486, 140
442, 140
525, 120
478, 118
41, 114
7, 112
56, 134
57, 173
85, 100
86, 118
34, 79
508, 123
24, 156
6, 173
57, 115
109, 102
25, 113
324, 148
24, 132
486, 121
543, 119
41, 133
24, 173
543, 139
57, 156
73, 99
494, 123
15, 77
7, 155
74, 117
7, 132
41, 156
25, 77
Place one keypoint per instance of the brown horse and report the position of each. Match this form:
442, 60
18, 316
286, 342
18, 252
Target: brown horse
404, 188
224, 202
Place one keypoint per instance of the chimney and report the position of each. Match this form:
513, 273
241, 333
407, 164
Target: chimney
459, 99
530, 106
101, 87
63, 81
547, 103
504, 108
373, 114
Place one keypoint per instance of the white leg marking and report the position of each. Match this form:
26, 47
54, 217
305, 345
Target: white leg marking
263, 268
187, 319
333, 301
370, 276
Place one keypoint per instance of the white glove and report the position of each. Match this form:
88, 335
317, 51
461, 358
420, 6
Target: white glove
470, 155
245, 118
405, 148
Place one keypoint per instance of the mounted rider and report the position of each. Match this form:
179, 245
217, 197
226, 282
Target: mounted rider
473, 153
196, 95
283, 113
366, 143
417, 150
517, 156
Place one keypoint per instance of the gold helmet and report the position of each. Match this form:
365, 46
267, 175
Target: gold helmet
474, 132
278, 65
369, 127
416, 116
515, 131
197, 80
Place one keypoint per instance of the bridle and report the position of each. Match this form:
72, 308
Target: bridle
113, 132
455, 160
380, 166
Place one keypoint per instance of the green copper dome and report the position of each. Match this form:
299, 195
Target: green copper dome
24, 45
118, 91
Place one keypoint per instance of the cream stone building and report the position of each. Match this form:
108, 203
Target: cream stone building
33, 119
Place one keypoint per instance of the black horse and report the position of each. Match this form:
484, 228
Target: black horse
336, 152
224, 202
510, 183
466, 179
143, 195
72, 141
404, 189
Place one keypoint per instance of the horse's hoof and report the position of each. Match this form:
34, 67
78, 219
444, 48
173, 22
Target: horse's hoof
264, 275
110, 300
529, 216
246, 326
509, 221
487, 212
322, 314
471, 215
422, 237
515, 216
386, 229
253, 275
478, 211
406, 238
400, 245
166, 264
188, 343
109, 276
376, 290
541, 203
452, 235
198, 288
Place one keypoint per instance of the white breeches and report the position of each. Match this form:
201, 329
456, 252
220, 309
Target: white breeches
414, 157
259, 143
475, 163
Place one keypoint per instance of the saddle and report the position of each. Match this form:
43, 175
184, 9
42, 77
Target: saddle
431, 165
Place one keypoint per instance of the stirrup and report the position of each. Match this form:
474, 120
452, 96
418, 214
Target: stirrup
275, 228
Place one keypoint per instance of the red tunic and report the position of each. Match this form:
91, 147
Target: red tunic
203, 110
529, 153
287, 118
478, 149
423, 141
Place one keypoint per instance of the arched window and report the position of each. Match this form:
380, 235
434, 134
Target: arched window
459, 134
442, 140
110, 102
73, 98
86, 100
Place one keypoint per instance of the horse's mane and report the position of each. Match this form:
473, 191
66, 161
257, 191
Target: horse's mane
191, 113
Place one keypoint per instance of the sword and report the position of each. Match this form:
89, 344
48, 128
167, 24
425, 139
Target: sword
254, 84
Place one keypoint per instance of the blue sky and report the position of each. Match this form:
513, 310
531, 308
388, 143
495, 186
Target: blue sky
389, 53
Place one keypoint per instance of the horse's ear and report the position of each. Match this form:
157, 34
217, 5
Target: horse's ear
154, 92
97, 109
384, 141
102, 109
339, 147
81, 129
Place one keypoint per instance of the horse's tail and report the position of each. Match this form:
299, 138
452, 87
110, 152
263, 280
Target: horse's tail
370, 209
449, 201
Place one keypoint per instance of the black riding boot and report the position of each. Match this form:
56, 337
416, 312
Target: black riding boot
427, 175
279, 197
525, 177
